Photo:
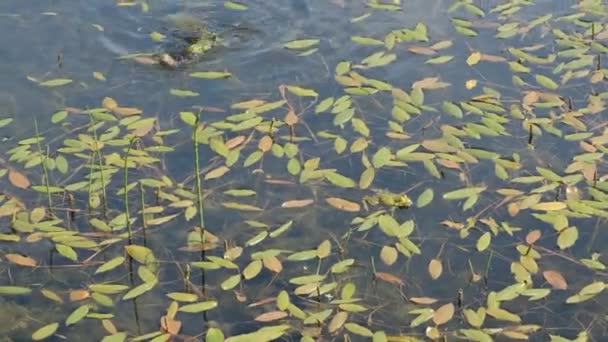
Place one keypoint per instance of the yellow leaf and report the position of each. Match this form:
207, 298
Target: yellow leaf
474, 58
470, 84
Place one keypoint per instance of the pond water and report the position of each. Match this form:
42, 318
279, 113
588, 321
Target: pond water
324, 170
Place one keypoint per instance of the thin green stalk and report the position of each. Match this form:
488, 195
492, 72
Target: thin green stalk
125, 189
199, 193
44, 169
100, 159
143, 211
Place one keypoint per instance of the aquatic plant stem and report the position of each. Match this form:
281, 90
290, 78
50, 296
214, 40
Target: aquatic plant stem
199, 193
126, 191
44, 169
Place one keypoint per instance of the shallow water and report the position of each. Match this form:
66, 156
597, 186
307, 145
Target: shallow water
48, 40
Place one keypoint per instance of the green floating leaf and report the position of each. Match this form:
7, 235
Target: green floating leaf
463, 193
45, 331
302, 44
425, 198
484, 241
211, 75
183, 93
57, 82
440, 59
110, 264
231, 282
139, 290
4, 122
214, 335
358, 329
198, 307
234, 6
304, 92
546, 82
77, 315
14, 290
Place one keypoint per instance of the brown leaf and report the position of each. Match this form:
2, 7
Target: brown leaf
389, 278
21, 260
533, 236
555, 279
430, 83
444, 314
273, 263
423, 300
271, 316
435, 268
77, 295
337, 321
297, 203
18, 179
343, 204
492, 58
262, 302
109, 103
265, 143
421, 50
170, 325
291, 118
235, 142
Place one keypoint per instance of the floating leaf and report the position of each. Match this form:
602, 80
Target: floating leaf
21, 260
57, 82
199, 307
546, 82
45, 331
77, 315
211, 75
444, 314
567, 237
297, 203
463, 193
343, 204
271, 316
474, 58
388, 255
14, 290
440, 59
484, 241
302, 43
425, 198
18, 179
358, 329
555, 279
435, 268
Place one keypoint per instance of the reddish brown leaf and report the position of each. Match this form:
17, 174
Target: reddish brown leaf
18, 179
271, 316
533, 236
235, 142
389, 278
265, 143
273, 263
77, 295
555, 279
170, 325
343, 204
21, 260
444, 314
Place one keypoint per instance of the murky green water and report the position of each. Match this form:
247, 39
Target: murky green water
489, 116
